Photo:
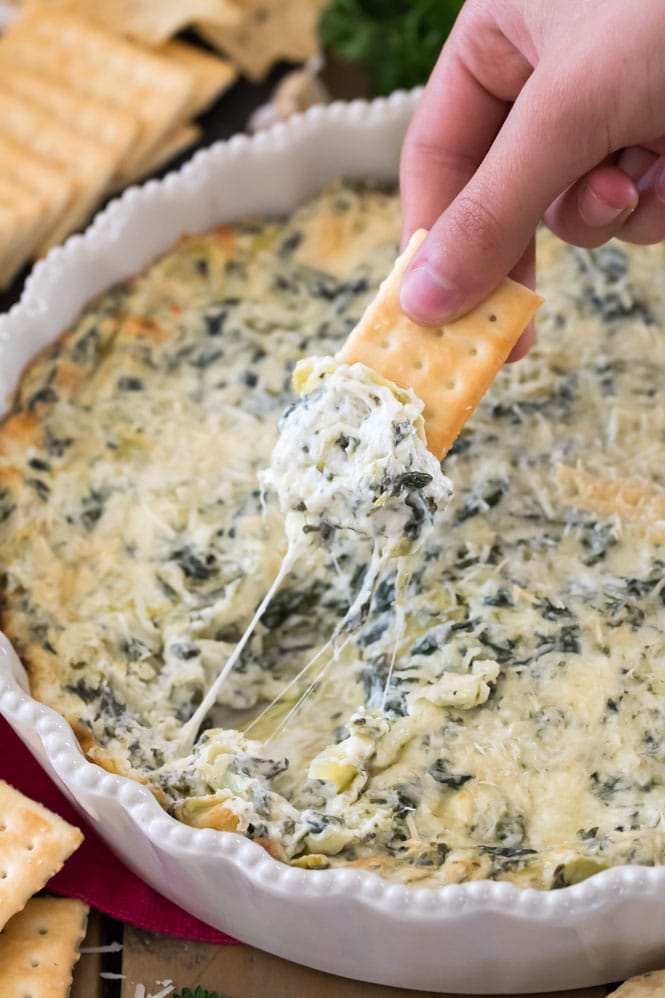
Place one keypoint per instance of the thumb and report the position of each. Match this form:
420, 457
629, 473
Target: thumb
547, 141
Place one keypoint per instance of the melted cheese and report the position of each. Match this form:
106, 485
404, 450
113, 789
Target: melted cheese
520, 736
352, 456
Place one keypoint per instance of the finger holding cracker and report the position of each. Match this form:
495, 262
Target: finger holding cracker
451, 367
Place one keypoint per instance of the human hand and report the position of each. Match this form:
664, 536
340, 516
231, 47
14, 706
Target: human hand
549, 109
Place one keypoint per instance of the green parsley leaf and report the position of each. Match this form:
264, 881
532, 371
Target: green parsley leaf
199, 992
397, 41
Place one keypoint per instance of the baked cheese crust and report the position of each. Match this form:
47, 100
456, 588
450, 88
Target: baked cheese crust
521, 736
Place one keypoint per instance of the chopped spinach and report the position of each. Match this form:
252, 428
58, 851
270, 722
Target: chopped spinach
185, 650
412, 481
439, 770
92, 508
198, 568
7, 506
44, 396
426, 645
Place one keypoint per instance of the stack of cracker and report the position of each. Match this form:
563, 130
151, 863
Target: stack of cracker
84, 112
39, 936
253, 34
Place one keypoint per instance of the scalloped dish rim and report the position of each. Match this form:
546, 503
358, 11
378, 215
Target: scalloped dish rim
54, 293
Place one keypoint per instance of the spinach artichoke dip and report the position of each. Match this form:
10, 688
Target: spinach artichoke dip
352, 455
495, 711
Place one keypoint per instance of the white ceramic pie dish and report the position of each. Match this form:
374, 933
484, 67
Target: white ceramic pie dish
482, 937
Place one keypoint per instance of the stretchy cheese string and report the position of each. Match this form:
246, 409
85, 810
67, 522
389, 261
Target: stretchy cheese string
191, 728
293, 682
400, 595
308, 692
376, 564
370, 409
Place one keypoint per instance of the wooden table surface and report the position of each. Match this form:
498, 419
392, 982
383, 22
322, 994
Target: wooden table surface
158, 962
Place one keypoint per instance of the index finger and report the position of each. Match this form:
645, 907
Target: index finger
456, 121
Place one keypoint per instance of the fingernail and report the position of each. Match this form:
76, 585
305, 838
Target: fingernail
426, 298
598, 213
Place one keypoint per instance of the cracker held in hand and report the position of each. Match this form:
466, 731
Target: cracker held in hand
449, 368
34, 843
39, 948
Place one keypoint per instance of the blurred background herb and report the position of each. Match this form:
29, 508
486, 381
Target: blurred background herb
199, 993
396, 41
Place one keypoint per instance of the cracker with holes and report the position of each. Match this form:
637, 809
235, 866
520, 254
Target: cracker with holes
28, 170
39, 948
86, 162
267, 31
449, 368
9, 234
211, 74
114, 128
34, 844
172, 145
88, 59
154, 21
22, 221
33, 217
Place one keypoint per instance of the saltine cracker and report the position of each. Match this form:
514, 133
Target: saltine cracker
151, 21
113, 127
269, 30
26, 169
34, 844
87, 58
451, 367
212, 75
88, 164
9, 234
39, 948
32, 217
172, 145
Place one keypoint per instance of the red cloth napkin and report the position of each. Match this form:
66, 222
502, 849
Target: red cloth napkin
93, 873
